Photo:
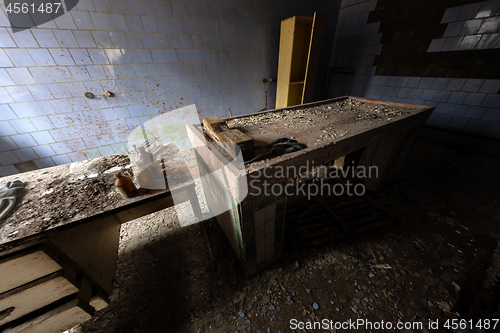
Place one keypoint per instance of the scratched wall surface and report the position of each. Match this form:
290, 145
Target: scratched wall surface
383, 55
155, 55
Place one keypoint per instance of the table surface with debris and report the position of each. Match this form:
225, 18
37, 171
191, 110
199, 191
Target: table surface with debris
322, 123
71, 194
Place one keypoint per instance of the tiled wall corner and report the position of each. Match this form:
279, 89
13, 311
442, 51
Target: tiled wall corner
465, 104
473, 26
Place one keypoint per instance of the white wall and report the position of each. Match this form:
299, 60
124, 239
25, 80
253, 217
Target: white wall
155, 55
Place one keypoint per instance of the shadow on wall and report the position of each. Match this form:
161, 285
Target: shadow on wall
326, 54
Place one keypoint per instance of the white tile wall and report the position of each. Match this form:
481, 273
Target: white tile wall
155, 55
470, 27
470, 105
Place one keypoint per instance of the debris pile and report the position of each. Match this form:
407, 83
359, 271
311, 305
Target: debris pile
352, 110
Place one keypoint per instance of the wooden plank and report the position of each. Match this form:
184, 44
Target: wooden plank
99, 302
35, 295
60, 319
100, 299
218, 130
333, 214
235, 137
213, 126
25, 267
317, 32
284, 62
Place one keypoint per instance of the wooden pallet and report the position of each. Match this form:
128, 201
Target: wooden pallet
325, 220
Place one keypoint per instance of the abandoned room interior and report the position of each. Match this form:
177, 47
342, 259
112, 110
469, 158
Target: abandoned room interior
249, 166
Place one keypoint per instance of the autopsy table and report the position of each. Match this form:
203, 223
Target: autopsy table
59, 246
381, 132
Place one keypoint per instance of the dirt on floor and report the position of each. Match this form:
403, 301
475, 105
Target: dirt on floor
167, 280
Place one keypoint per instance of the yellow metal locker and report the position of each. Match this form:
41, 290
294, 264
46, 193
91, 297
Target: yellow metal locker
300, 46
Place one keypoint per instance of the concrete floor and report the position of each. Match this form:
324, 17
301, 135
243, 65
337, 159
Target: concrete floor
166, 280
